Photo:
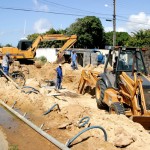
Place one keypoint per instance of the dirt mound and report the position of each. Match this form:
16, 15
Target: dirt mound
63, 124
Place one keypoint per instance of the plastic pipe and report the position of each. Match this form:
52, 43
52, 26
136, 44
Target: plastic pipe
81, 123
84, 130
52, 109
33, 126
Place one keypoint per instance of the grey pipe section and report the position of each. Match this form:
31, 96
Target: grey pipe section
33, 126
81, 123
52, 109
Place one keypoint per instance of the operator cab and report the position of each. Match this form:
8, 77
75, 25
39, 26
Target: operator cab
128, 60
24, 44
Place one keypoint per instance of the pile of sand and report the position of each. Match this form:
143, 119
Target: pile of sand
122, 132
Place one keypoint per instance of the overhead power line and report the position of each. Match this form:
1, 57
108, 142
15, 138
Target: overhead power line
61, 13
39, 11
81, 10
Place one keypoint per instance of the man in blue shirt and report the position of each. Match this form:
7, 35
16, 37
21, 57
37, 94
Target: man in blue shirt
100, 59
59, 76
74, 60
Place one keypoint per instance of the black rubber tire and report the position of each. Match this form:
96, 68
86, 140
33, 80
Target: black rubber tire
117, 108
99, 93
18, 75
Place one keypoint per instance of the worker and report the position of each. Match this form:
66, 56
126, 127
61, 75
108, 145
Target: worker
6, 62
100, 59
74, 60
59, 76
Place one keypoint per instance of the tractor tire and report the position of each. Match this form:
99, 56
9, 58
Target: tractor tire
116, 108
99, 93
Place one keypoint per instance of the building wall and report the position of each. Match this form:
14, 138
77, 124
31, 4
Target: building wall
49, 53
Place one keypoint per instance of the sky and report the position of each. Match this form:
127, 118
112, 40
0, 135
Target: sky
19, 18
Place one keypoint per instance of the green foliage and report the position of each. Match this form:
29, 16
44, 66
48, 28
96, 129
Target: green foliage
8, 45
13, 147
43, 59
122, 38
89, 31
48, 44
140, 39
32, 37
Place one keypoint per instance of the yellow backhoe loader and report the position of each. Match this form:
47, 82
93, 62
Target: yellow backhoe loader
27, 50
126, 88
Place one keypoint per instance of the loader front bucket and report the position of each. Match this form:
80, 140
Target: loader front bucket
143, 120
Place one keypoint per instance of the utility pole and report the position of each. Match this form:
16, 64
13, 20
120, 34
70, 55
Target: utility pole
114, 31
114, 23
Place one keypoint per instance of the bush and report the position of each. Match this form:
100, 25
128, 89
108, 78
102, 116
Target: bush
43, 59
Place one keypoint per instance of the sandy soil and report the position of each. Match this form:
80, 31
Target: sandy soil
63, 124
3, 141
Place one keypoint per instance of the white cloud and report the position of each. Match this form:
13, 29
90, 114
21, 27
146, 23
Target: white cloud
106, 5
134, 23
42, 26
139, 21
119, 29
40, 6
108, 29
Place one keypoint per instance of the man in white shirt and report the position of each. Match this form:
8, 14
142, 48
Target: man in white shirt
5, 63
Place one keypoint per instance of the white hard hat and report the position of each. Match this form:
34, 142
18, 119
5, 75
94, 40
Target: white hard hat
7, 54
60, 65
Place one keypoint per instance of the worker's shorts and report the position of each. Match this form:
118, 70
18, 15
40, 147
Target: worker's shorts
6, 70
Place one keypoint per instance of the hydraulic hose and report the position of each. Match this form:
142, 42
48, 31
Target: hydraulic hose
30, 91
33, 126
81, 123
84, 130
52, 109
30, 87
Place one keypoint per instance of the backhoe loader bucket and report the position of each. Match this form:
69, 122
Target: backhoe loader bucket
60, 60
143, 120
88, 77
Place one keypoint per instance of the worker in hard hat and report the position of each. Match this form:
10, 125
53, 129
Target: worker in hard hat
59, 76
6, 62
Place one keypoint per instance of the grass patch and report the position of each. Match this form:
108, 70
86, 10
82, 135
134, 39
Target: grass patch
13, 147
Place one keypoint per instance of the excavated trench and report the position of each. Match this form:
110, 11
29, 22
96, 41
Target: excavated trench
21, 136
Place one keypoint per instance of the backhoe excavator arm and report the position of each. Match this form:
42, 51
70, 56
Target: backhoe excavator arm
70, 41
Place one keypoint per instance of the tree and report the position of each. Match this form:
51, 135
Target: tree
89, 31
44, 44
32, 37
8, 45
140, 38
122, 38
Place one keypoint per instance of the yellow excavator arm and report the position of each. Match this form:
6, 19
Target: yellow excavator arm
31, 51
70, 41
